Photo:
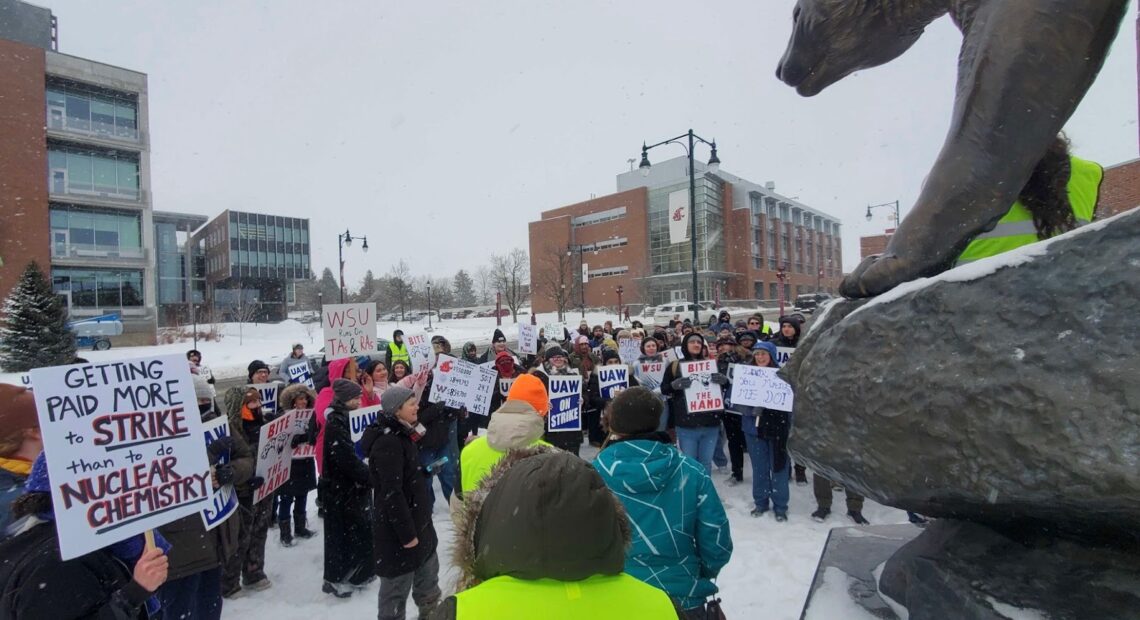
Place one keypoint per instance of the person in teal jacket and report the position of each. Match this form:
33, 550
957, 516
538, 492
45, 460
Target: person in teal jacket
681, 538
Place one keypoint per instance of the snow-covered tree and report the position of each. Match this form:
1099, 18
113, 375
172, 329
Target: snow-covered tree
464, 289
34, 332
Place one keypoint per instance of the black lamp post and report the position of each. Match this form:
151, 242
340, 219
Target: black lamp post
429, 305
341, 241
894, 204
782, 276
620, 290
713, 166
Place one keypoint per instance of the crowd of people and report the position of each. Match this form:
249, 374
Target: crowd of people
651, 479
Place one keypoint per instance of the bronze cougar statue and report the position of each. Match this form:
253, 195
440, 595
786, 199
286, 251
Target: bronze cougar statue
1023, 68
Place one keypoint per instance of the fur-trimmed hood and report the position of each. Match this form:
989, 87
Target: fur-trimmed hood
291, 392
524, 519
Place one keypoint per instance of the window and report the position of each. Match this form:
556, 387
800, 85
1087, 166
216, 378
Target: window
96, 232
92, 110
598, 218
100, 288
608, 272
93, 172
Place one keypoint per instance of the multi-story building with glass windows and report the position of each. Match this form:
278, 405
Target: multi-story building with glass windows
750, 240
75, 174
252, 263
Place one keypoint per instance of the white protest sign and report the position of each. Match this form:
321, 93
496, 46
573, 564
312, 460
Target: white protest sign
528, 338
612, 380
359, 419
783, 354
565, 403
505, 384
26, 380
758, 386
555, 332
650, 374
458, 383
702, 395
350, 330
223, 501
124, 448
629, 349
268, 393
301, 419
301, 373
419, 351
274, 455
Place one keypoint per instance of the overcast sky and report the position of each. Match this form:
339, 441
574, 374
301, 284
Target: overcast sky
439, 129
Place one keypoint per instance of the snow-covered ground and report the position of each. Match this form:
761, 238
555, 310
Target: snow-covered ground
768, 577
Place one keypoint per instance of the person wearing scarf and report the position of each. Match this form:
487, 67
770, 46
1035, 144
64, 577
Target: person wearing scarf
117, 581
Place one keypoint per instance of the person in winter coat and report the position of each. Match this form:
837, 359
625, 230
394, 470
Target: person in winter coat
651, 354
117, 582
20, 444
756, 324
344, 368
470, 352
398, 371
516, 560
681, 537
789, 335
294, 494
518, 423
299, 360
373, 380
723, 321
766, 433
247, 565
397, 350
440, 435
727, 354
348, 549
509, 369
556, 364
194, 356
595, 427
194, 582
697, 433
404, 537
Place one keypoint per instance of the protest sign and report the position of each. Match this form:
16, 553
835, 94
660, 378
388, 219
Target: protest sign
459, 383
419, 351
301, 373
223, 502
274, 455
124, 449
612, 380
565, 403
783, 354
528, 338
26, 380
350, 330
301, 419
359, 419
505, 385
758, 386
629, 350
555, 332
650, 374
702, 395
268, 393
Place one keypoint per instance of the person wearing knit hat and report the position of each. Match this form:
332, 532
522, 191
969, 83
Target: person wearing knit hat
518, 423
667, 497
258, 372
498, 345
347, 550
20, 443
766, 434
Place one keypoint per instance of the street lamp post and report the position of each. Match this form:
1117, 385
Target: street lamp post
713, 166
429, 305
620, 290
894, 204
342, 240
782, 276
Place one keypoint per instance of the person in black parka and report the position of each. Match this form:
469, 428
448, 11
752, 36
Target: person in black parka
348, 548
404, 537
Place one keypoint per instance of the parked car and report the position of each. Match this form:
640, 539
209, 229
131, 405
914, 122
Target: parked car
683, 310
808, 302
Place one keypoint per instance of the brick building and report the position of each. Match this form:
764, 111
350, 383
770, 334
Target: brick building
745, 233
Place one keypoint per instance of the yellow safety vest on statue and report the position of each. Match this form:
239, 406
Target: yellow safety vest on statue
1016, 228
476, 461
601, 597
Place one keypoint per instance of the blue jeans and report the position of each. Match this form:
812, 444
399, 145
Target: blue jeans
448, 473
719, 459
767, 484
193, 596
295, 504
699, 443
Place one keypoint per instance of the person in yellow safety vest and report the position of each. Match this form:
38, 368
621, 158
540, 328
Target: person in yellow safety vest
522, 551
1061, 195
518, 423
397, 350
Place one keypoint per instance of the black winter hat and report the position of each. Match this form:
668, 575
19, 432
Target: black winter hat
345, 390
635, 411
497, 336
255, 366
747, 334
555, 351
609, 354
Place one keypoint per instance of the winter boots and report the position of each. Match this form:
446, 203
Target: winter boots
339, 590
286, 533
301, 531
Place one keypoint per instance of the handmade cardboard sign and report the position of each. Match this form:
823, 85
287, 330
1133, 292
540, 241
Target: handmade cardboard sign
650, 374
528, 338
458, 384
274, 455
629, 350
350, 330
758, 386
419, 351
301, 419
123, 442
702, 394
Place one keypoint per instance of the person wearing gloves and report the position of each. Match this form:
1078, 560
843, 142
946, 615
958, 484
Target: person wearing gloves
681, 537
728, 353
20, 444
515, 562
766, 434
348, 538
294, 494
247, 565
697, 433
116, 582
556, 364
404, 537
194, 583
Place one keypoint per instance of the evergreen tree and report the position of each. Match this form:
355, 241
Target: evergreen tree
35, 332
464, 290
368, 288
329, 287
